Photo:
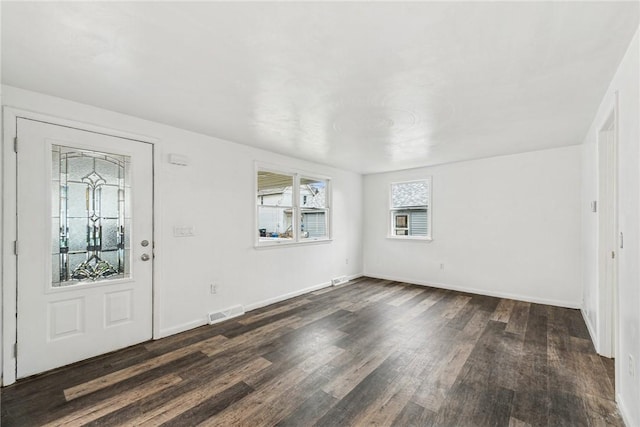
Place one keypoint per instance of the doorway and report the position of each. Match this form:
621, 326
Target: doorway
607, 236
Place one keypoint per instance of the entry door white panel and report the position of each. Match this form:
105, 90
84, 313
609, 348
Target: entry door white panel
83, 286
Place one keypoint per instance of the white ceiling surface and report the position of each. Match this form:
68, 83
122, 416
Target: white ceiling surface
368, 87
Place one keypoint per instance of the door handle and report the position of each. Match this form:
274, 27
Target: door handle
145, 257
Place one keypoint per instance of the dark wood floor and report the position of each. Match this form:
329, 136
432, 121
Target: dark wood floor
369, 353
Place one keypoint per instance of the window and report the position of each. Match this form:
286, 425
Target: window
91, 218
291, 207
411, 209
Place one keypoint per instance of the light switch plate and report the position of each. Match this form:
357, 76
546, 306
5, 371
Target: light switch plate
178, 159
184, 231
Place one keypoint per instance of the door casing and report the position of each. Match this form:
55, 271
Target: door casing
9, 225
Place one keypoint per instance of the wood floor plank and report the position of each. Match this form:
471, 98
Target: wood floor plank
263, 333
206, 409
601, 411
45, 413
517, 323
310, 411
92, 412
514, 422
567, 409
468, 406
405, 296
329, 318
444, 370
366, 392
251, 318
343, 382
503, 311
387, 407
205, 374
303, 342
115, 377
287, 402
247, 411
414, 415
372, 352
458, 303
45, 389
184, 402
532, 402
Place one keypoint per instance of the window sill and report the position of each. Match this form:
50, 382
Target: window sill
412, 238
283, 242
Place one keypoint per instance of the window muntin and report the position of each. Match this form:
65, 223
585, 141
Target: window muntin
411, 209
291, 207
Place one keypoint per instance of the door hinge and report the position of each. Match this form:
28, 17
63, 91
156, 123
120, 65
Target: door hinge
15, 144
15, 350
613, 255
621, 240
15, 247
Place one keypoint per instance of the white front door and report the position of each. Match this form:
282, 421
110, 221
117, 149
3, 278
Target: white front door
85, 244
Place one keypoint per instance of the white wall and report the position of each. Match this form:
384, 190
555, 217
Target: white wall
505, 226
627, 85
215, 194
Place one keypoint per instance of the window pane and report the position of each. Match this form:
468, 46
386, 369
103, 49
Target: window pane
412, 222
313, 224
109, 170
274, 223
77, 201
109, 204
418, 223
408, 194
274, 189
110, 234
89, 227
313, 193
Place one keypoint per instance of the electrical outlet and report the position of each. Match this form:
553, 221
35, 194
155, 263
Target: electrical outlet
632, 367
214, 288
441, 266
346, 261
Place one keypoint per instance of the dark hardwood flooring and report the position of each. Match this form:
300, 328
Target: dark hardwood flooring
368, 353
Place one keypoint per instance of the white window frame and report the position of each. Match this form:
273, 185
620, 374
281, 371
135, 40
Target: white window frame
391, 224
295, 207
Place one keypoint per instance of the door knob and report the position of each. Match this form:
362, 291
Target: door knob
145, 257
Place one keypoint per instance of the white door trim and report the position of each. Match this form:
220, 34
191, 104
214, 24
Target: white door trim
607, 313
10, 116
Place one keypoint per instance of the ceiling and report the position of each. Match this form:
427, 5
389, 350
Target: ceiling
368, 87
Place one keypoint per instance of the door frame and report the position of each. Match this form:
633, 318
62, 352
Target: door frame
608, 344
10, 116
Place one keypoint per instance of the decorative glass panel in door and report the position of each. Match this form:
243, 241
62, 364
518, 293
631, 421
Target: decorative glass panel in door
91, 216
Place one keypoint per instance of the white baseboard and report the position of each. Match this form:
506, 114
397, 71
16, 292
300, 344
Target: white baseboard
525, 298
264, 303
592, 332
182, 327
624, 412
354, 276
